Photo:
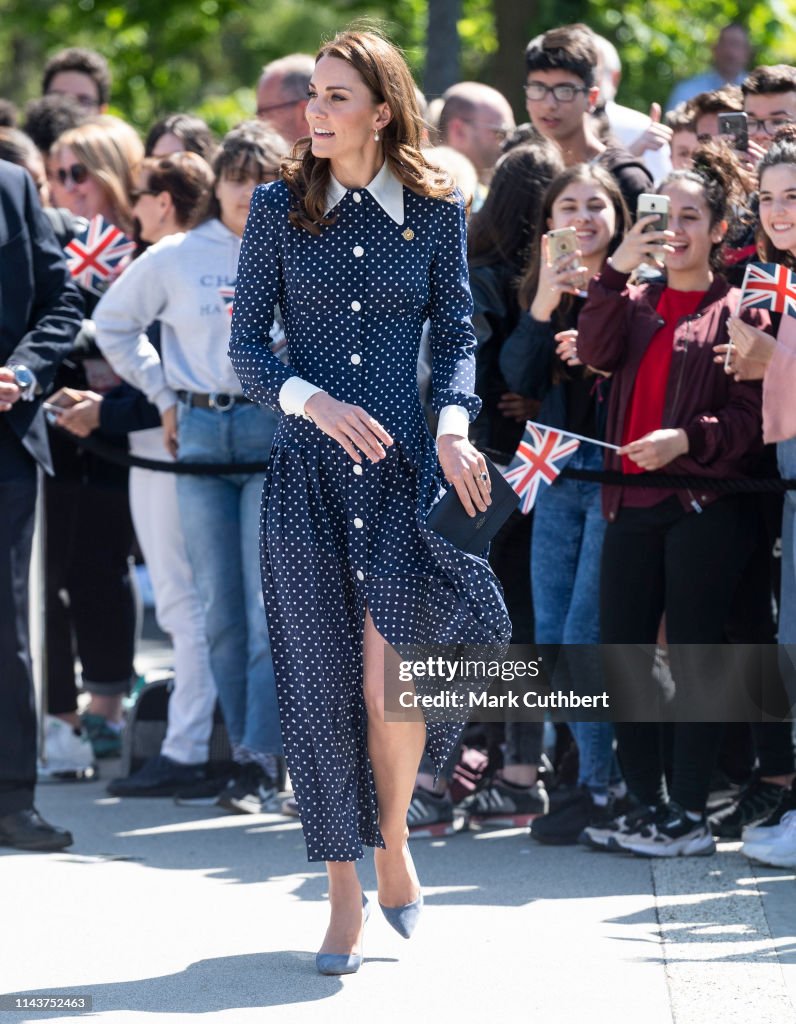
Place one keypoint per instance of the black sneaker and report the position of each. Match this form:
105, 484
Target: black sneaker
676, 835
158, 776
430, 815
756, 801
254, 792
500, 803
600, 835
563, 826
787, 802
207, 792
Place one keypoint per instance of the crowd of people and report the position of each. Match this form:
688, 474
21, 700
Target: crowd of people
633, 339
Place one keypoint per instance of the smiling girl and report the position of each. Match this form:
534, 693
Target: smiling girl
675, 551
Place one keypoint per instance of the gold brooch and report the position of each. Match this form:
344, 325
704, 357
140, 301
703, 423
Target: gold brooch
408, 234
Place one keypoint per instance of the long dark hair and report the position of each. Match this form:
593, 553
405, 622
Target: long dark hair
725, 185
384, 71
502, 230
781, 151
591, 174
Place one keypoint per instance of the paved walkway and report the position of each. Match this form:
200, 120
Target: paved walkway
160, 913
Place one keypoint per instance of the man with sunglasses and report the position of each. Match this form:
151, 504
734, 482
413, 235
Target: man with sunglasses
282, 95
560, 94
40, 315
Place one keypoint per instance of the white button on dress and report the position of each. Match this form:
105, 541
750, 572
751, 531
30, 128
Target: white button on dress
358, 523
356, 197
357, 469
360, 574
356, 358
356, 306
358, 250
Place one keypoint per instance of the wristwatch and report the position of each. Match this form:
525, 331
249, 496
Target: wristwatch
25, 380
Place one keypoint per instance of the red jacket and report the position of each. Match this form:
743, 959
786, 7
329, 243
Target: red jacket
722, 418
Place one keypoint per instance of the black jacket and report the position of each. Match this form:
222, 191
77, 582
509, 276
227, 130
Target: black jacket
40, 308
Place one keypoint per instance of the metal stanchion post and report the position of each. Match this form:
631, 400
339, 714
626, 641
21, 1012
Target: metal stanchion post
38, 613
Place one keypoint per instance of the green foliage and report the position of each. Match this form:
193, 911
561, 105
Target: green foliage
206, 55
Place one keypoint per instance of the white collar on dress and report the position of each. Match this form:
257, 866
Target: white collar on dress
385, 188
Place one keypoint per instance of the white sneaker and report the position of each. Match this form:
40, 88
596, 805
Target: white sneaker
765, 833
780, 850
66, 755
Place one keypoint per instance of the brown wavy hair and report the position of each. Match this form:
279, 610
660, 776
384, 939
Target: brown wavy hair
382, 68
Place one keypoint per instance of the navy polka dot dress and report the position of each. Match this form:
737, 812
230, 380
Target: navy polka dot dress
337, 537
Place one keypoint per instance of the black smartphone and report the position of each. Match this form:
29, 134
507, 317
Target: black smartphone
735, 126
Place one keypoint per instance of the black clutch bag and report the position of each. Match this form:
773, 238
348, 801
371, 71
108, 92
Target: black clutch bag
472, 533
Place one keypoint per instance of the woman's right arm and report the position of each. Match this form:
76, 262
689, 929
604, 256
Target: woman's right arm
264, 378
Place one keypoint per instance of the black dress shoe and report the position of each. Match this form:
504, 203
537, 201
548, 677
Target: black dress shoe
27, 830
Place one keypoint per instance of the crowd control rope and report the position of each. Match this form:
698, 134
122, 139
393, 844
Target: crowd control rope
716, 485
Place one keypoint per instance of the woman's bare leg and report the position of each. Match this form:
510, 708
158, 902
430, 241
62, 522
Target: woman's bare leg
344, 934
395, 750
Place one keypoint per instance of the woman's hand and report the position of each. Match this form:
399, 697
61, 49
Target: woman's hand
751, 342
737, 366
83, 417
565, 277
168, 421
567, 348
640, 246
517, 407
349, 425
465, 468
656, 449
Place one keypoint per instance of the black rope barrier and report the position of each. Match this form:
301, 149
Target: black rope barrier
716, 485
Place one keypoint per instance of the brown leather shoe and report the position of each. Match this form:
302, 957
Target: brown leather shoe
27, 830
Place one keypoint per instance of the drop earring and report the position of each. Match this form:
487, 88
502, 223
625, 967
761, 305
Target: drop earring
376, 136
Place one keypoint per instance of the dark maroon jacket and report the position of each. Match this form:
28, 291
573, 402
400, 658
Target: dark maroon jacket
722, 418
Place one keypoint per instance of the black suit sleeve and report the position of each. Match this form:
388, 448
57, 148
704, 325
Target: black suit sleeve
57, 308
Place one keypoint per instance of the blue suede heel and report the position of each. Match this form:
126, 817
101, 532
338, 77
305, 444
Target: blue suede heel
342, 963
404, 919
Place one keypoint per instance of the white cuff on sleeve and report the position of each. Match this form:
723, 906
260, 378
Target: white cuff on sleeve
164, 399
453, 419
294, 393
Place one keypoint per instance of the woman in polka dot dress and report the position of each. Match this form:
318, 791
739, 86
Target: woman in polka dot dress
359, 243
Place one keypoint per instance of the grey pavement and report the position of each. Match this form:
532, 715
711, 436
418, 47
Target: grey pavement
163, 913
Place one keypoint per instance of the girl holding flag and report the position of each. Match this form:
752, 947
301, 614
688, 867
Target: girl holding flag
755, 355
538, 360
678, 552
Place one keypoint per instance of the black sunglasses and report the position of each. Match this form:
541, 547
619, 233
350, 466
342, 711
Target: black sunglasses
77, 172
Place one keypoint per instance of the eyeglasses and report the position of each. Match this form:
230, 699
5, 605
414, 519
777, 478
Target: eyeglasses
136, 193
769, 125
500, 131
262, 111
78, 173
562, 93
86, 102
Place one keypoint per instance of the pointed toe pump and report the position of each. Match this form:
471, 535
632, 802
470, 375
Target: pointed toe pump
342, 963
404, 919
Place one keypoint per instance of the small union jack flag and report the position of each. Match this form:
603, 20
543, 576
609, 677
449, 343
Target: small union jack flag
540, 457
98, 255
769, 286
227, 294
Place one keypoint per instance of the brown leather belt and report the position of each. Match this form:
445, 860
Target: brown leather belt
216, 400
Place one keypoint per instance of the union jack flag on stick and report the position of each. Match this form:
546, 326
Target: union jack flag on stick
540, 457
769, 286
227, 293
98, 255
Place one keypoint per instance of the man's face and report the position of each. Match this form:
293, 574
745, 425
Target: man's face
731, 52
480, 136
768, 112
284, 112
80, 86
554, 118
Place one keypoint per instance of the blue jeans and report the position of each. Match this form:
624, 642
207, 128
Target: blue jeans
786, 459
566, 547
221, 519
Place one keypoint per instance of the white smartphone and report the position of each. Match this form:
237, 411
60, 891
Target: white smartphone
649, 203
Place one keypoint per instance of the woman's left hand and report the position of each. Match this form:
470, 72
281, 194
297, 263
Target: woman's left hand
465, 469
656, 449
83, 417
738, 367
751, 342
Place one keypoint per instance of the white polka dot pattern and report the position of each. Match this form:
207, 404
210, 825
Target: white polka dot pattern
334, 541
